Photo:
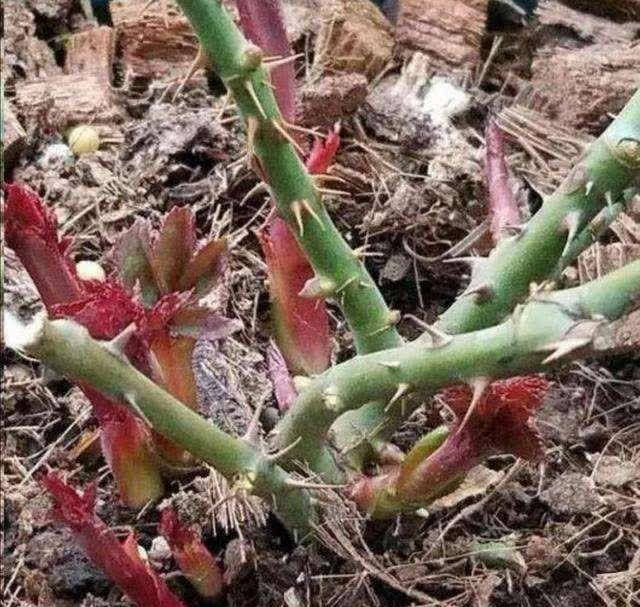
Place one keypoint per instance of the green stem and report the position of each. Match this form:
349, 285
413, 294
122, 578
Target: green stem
611, 165
68, 348
551, 328
298, 199
553, 238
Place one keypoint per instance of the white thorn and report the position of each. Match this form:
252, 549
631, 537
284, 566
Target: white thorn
393, 364
561, 348
571, 223
117, 345
478, 385
248, 85
130, 399
318, 286
346, 283
272, 458
401, 390
609, 198
278, 127
331, 397
588, 187
309, 208
439, 339
296, 207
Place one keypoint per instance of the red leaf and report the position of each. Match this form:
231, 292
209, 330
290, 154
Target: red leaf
204, 267
173, 249
262, 23
121, 563
193, 558
503, 205
31, 231
323, 152
131, 255
126, 446
301, 325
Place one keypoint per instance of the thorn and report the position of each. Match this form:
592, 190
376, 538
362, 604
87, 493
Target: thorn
130, 399
296, 207
117, 345
471, 260
571, 223
478, 385
320, 178
390, 364
259, 187
276, 60
292, 482
560, 349
588, 187
608, 196
318, 286
329, 191
365, 285
400, 392
345, 284
272, 458
439, 339
483, 292
307, 207
301, 383
283, 132
332, 400
248, 85
252, 432
394, 317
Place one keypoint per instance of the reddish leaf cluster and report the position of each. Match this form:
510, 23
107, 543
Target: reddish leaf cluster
194, 559
121, 562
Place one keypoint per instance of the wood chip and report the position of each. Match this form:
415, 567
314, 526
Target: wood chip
448, 31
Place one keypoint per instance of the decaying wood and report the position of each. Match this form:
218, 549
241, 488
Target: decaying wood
585, 85
332, 98
448, 31
155, 46
13, 137
620, 10
354, 37
84, 92
554, 18
91, 51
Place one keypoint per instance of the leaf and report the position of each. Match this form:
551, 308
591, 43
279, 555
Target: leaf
31, 231
499, 555
131, 256
194, 559
121, 563
204, 268
173, 249
203, 323
301, 325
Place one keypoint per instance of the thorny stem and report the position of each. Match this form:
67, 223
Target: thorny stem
298, 199
68, 348
498, 283
550, 327
549, 242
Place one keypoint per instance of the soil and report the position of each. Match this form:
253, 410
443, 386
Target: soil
570, 527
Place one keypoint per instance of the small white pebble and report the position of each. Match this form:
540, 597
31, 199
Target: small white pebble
83, 139
90, 270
